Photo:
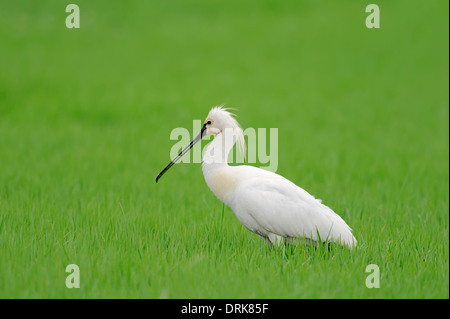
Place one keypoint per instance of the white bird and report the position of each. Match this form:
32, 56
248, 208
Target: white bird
264, 202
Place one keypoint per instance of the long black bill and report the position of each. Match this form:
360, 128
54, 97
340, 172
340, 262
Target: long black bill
184, 151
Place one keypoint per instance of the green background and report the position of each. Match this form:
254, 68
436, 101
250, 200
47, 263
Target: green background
86, 114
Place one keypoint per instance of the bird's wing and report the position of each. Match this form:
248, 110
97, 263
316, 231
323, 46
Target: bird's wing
281, 207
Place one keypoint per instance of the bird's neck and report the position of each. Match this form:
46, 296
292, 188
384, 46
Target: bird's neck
217, 151
215, 167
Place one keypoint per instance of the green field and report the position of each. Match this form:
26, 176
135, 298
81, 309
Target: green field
85, 118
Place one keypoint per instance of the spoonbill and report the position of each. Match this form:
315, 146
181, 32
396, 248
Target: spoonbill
264, 202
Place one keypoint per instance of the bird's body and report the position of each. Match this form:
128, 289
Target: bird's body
264, 202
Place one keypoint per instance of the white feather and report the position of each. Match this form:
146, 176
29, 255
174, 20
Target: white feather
264, 202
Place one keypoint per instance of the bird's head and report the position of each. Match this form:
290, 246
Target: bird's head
220, 119
217, 121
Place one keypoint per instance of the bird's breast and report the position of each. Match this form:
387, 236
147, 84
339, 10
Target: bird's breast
222, 183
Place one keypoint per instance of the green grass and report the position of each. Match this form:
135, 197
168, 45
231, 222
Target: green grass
85, 118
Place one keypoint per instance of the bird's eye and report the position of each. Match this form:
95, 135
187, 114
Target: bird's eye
208, 123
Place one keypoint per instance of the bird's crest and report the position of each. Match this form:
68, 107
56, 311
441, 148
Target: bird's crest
221, 113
